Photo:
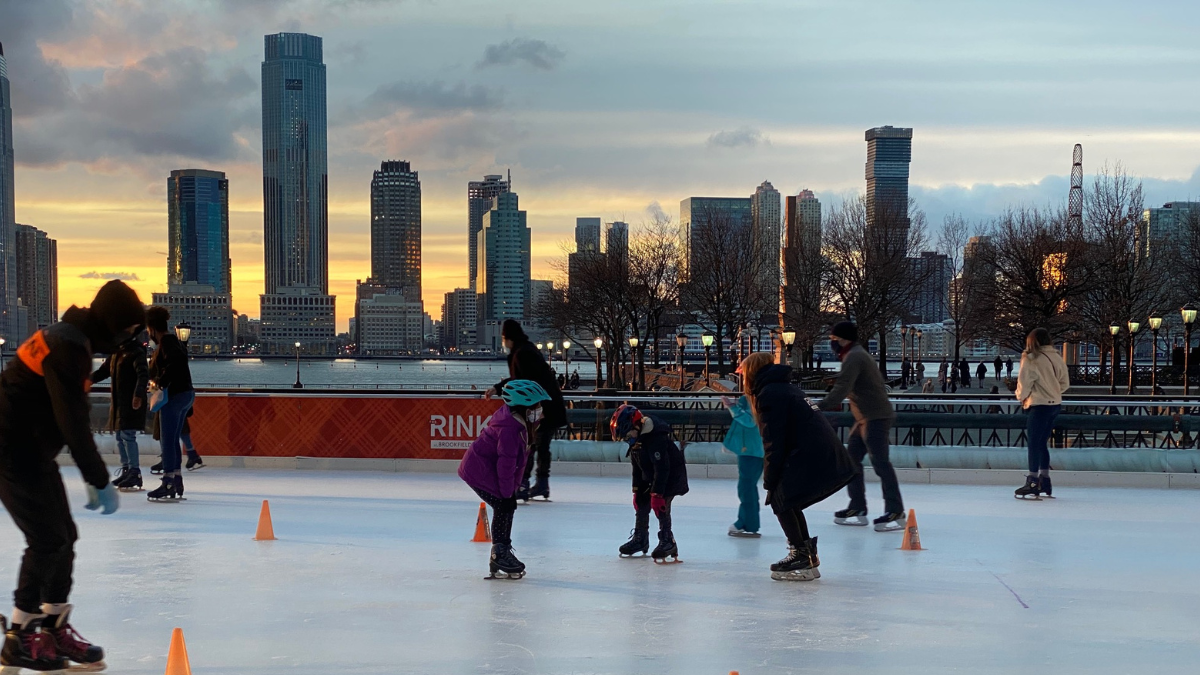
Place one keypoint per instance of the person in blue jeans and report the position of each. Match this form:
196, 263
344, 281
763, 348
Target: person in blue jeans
169, 372
745, 441
127, 411
1040, 386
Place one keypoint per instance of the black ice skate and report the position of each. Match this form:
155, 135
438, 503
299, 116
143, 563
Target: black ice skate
120, 475
639, 542
1047, 488
29, 648
504, 565
157, 469
800, 564
666, 549
1030, 490
522, 493
891, 522
171, 490
132, 482
850, 517
86, 657
541, 488
195, 462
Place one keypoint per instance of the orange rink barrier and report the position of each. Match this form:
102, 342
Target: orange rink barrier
342, 426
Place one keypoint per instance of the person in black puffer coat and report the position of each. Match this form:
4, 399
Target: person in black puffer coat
127, 410
659, 476
803, 460
525, 362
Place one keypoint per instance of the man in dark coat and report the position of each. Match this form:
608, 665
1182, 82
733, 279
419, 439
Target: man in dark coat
525, 362
127, 410
964, 372
803, 462
998, 364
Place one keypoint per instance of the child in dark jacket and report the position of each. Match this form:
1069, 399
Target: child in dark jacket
659, 475
495, 463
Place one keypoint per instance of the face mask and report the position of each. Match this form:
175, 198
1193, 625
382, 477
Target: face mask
534, 415
835, 346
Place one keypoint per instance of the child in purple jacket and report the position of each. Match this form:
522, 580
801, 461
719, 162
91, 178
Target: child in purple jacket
494, 466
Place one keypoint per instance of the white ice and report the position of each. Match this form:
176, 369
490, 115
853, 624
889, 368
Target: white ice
375, 573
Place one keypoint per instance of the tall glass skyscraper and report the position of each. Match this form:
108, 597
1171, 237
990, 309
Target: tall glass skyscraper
296, 305
198, 229
8, 215
479, 201
504, 257
396, 228
889, 153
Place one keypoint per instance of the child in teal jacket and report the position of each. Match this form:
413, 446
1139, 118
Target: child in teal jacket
744, 440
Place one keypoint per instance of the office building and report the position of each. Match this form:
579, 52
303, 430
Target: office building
37, 279
459, 319
296, 305
208, 311
801, 255
765, 218
396, 228
889, 153
541, 291
932, 273
697, 213
389, 324
1164, 229
587, 249
616, 240
198, 230
504, 262
11, 326
480, 195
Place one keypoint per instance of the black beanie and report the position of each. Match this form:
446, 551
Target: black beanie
117, 307
845, 330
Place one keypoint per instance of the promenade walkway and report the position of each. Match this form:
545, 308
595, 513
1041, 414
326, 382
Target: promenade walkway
374, 573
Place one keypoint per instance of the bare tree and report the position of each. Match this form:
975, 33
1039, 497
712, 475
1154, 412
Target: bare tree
654, 264
967, 300
805, 271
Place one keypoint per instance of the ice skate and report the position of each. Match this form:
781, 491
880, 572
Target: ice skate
171, 490
504, 565
131, 482
639, 542
735, 531
1030, 490
800, 564
120, 475
666, 549
522, 493
157, 469
1047, 488
194, 462
28, 648
541, 488
852, 517
891, 522
84, 656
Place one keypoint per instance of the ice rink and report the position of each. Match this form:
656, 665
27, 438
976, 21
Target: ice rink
375, 573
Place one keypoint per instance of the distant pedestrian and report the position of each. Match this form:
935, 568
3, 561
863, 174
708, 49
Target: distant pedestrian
818, 357
981, 373
964, 373
998, 364
905, 371
941, 376
920, 370
575, 379
127, 410
927, 388
1040, 386
1008, 367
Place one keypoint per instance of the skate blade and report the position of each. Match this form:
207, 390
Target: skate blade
643, 554
130, 489
1034, 498
504, 575
894, 526
195, 468
674, 560
166, 500
798, 575
854, 521
85, 667
746, 535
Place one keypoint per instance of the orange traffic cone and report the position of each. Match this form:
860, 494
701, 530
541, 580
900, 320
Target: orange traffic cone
265, 531
177, 658
483, 533
912, 537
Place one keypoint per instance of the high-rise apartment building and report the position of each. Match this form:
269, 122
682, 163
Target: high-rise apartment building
801, 253
696, 213
504, 261
37, 278
616, 240
198, 230
765, 218
296, 305
480, 195
10, 324
933, 273
459, 319
889, 153
1165, 228
587, 250
396, 228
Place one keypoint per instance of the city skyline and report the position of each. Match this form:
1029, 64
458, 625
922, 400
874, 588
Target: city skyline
107, 101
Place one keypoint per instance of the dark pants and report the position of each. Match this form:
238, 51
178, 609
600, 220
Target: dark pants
540, 451
38, 506
794, 525
641, 509
170, 420
502, 516
871, 437
1038, 425
750, 470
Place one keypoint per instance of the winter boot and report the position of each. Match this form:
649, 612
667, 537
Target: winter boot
504, 565
29, 648
666, 549
132, 482
800, 564
1031, 489
71, 645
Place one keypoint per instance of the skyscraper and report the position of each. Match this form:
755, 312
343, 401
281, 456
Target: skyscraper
889, 153
801, 255
396, 228
765, 219
616, 240
296, 305
37, 277
699, 212
587, 249
198, 229
933, 273
8, 215
504, 261
480, 195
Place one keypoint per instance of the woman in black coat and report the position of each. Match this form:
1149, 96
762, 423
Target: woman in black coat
525, 362
127, 410
803, 460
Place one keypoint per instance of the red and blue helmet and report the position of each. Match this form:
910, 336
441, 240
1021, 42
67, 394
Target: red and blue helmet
624, 420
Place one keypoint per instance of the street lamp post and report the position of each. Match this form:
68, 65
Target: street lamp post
633, 361
297, 385
1114, 330
1189, 318
917, 355
598, 343
2, 341
1155, 324
681, 341
1134, 327
789, 339
707, 340
903, 354
550, 355
566, 358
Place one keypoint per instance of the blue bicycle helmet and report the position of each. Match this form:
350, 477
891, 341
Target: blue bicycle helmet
523, 393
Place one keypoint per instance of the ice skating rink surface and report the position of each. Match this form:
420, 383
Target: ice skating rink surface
375, 573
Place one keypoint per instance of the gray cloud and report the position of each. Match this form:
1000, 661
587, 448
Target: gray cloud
536, 53
38, 84
432, 97
656, 210
742, 137
109, 276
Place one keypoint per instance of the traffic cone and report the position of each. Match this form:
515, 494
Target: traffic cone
265, 531
912, 537
177, 658
483, 533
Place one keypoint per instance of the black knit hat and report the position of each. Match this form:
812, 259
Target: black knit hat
845, 330
117, 306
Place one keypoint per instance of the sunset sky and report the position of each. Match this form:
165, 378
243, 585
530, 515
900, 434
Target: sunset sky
611, 109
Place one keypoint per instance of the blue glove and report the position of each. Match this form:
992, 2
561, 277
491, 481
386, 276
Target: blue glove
108, 499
